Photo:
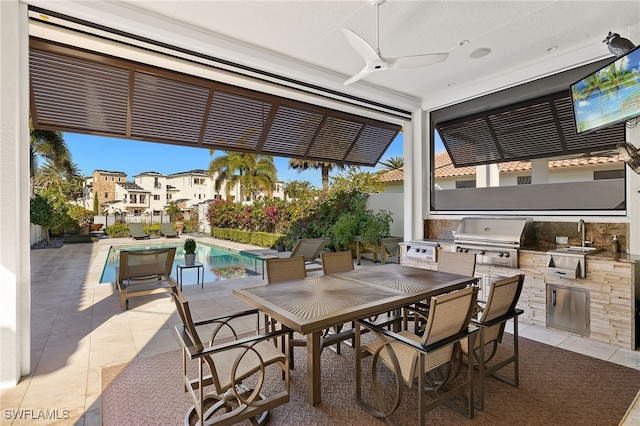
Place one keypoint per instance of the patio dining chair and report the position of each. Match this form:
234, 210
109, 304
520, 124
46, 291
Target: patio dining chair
499, 308
335, 262
434, 358
229, 387
457, 263
448, 261
144, 272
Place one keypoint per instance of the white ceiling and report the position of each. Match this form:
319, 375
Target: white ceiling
302, 39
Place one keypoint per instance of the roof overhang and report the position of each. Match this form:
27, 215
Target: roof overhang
110, 87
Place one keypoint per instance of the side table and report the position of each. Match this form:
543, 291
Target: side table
263, 258
197, 265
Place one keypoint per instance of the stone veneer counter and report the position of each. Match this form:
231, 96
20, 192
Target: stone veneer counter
613, 283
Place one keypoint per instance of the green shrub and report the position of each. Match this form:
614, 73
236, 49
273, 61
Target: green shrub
118, 229
262, 239
155, 227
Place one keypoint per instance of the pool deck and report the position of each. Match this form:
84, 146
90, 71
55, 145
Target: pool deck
77, 327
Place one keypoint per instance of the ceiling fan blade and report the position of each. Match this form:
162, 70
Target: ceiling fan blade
361, 46
362, 74
417, 61
630, 155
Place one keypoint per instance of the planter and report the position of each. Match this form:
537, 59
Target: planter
153, 233
189, 259
96, 227
179, 227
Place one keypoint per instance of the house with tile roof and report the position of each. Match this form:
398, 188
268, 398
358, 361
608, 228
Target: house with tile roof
578, 169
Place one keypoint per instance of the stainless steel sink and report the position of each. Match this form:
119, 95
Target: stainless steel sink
576, 249
569, 262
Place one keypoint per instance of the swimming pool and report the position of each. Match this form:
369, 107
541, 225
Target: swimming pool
219, 263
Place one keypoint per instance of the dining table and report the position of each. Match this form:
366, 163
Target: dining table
310, 305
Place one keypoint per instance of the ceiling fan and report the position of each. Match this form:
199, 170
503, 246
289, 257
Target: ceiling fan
630, 155
374, 61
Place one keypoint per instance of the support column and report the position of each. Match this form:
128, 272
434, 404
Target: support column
14, 194
416, 188
539, 171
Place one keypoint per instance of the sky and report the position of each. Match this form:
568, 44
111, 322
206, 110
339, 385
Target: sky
133, 157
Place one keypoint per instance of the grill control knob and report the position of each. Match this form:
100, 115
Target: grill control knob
459, 249
501, 254
465, 250
482, 252
506, 255
423, 251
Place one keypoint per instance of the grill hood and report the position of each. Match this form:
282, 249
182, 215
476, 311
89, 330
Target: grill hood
504, 231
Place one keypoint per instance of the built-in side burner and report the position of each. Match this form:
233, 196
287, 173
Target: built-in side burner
421, 249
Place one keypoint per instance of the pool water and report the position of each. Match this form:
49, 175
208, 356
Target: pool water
219, 263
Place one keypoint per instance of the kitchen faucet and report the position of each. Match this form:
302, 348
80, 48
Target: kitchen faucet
583, 230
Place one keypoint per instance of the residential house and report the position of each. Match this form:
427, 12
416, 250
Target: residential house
104, 184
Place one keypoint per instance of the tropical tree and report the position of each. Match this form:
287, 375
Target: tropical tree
50, 146
326, 167
50, 212
254, 173
393, 163
355, 180
298, 189
64, 176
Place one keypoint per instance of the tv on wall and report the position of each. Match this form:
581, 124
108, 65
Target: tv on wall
608, 96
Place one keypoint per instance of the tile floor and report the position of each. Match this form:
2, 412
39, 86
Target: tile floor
77, 327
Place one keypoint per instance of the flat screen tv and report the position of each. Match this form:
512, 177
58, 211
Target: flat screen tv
608, 96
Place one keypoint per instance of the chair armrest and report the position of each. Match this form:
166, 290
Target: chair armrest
225, 321
227, 317
503, 318
194, 352
415, 345
419, 309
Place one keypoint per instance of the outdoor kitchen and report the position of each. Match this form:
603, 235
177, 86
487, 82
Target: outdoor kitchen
574, 280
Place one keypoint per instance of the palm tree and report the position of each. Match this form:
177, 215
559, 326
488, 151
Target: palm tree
302, 165
50, 146
298, 189
616, 79
254, 173
393, 163
60, 175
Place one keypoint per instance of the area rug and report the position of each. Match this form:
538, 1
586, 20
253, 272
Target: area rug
557, 387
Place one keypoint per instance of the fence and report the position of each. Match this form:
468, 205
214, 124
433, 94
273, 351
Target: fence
110, 219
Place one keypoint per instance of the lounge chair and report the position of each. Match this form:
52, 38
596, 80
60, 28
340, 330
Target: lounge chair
310, 249
136, 232
144, 272
167, 231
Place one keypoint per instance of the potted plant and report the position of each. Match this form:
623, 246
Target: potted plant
152, 229
189, 251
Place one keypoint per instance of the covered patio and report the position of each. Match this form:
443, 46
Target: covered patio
79, 329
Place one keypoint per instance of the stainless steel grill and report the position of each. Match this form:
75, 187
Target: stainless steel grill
494, 240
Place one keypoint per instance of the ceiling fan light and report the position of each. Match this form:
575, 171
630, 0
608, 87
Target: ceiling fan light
480, 53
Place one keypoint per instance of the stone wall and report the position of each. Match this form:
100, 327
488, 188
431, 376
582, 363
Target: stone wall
546, 232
